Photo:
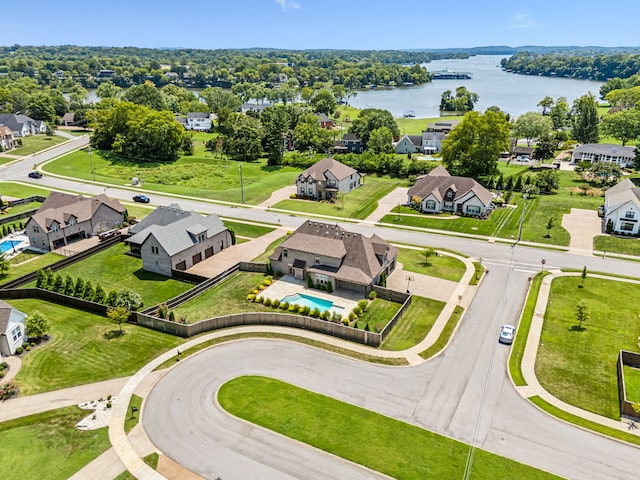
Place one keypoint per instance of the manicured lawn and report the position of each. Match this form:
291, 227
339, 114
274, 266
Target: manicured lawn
378, 314
579, 367
264, 257
386, 445
138, 211
225, 298
623, 245
414, 325
29, 262
441, 266
17, 190
25, 207
447, 331
114, 270
132, 419
248, 229
358, 203
36, 143
85, 348
415, 126
47, 445
632, 383
199, 175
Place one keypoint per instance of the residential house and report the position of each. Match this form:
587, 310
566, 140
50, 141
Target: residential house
325, 179
438, 191
432, 141
181, 244
68, 119
198, 122
409, 144
329, 254
63, 218
13, 326
442, 126
22, 125
161, 216
351, 143
520, 153
7, 142
622, 208
603, 152
254, 107
324, 121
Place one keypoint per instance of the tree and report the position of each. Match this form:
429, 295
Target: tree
218, 98
128, 299
146, 94
276, 125
531, 126
245, 137
624, 126
546, 103
308, 134
583, 275
4, 264
548, 180
79, 289
380, 140
474, 146
559, 114
582, 314
550, 224
107, 90
585, 119
605, 172
324, 102
69, 286
118, 315
636, 158
546, 147
463, 101
427, 253
40, 107
37, 325
371, 119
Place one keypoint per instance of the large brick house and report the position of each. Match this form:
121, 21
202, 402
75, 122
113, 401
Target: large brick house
325, 179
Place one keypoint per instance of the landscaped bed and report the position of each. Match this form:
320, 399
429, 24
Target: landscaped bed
386, 445
85, 348
577, 365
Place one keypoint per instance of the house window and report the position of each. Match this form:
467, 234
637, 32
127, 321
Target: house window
72, 221
16, 333
626, 226
54, 227
221, 244
322, 279
317, 260
154, 250
448, 205
36, 229
430, 205
302, 190
473, 210
285, 252
629, 214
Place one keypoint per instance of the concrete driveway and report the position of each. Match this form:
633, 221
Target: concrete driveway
582, 225
421, 285
386, 203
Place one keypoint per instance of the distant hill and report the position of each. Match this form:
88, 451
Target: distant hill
537, 49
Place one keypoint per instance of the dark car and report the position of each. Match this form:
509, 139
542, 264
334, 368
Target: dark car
35, 174
141, 199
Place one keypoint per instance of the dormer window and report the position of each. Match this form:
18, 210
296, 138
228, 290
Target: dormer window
54, 227
629, 214
72, 221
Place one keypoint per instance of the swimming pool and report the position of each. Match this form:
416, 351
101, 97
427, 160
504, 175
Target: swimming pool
9, 245
311, 302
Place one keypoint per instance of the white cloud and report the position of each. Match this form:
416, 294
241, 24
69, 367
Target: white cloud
522, 20
286, 4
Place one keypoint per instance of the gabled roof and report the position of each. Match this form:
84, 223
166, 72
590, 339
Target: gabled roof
621, 194
60, 207
426, 136
178, 236
5, 131
351, 137
199, 115
360, 255
605, 149
162, 216
15, 121
337, 169
439, 181
5, 315
322, 117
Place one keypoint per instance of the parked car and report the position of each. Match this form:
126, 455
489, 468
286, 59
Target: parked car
601, 211
507, 332
35, 174
141, 199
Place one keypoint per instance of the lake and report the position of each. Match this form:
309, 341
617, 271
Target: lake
513, 93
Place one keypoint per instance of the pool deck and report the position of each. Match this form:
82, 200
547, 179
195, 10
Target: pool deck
22, 243
289, 285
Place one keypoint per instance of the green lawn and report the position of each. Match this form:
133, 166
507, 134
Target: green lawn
444, 337
579, 367
132, 419
248, 229
47, 445
25, 207
30, 262
414, 325
378, 314
85, 348
359, 203
17, 190
632, 383
35, 143
622, 245
441, 266
199, 175
264, 256
383, 444
415, 126
113, 269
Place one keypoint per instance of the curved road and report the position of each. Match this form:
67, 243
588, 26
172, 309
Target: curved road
463, 393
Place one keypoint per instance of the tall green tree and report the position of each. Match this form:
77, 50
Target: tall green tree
585, 119
108, 90
531, 126
37, 324
624, 125
41, 107
146, 94
324, 102
309, 135
546, 103
370, 119
559, 114
245, 138
474, 146
380, 140
217, 98
276, 125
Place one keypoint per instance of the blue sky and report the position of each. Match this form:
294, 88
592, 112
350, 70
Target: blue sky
300, 24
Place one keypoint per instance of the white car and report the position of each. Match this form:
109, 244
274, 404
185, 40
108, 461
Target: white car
507, 332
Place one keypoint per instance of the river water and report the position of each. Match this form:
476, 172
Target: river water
513, 93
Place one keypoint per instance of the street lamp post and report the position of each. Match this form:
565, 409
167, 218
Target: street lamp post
241, 183
93, 172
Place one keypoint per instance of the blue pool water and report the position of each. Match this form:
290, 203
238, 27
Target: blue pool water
310, 301
7, 245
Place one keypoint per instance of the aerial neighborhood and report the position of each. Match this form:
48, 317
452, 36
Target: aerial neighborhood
185, 231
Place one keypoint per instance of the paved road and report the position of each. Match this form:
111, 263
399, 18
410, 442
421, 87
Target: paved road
463, 393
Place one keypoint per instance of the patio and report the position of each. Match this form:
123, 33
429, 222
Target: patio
288, 285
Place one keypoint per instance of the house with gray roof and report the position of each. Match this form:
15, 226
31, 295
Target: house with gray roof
22, 125
13, 328
439, 191
432, 141
326, 178
604, 152
329, 254
198, 122
622, 208
162, 216
442, 126
63, 218
181, 244
409, 144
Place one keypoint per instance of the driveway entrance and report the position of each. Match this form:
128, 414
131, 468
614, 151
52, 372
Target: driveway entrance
582, 225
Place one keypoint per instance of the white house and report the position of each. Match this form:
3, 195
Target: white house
432, 141
21, 125
13, 326
603, 152
440, 192
622, 208
198, 121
